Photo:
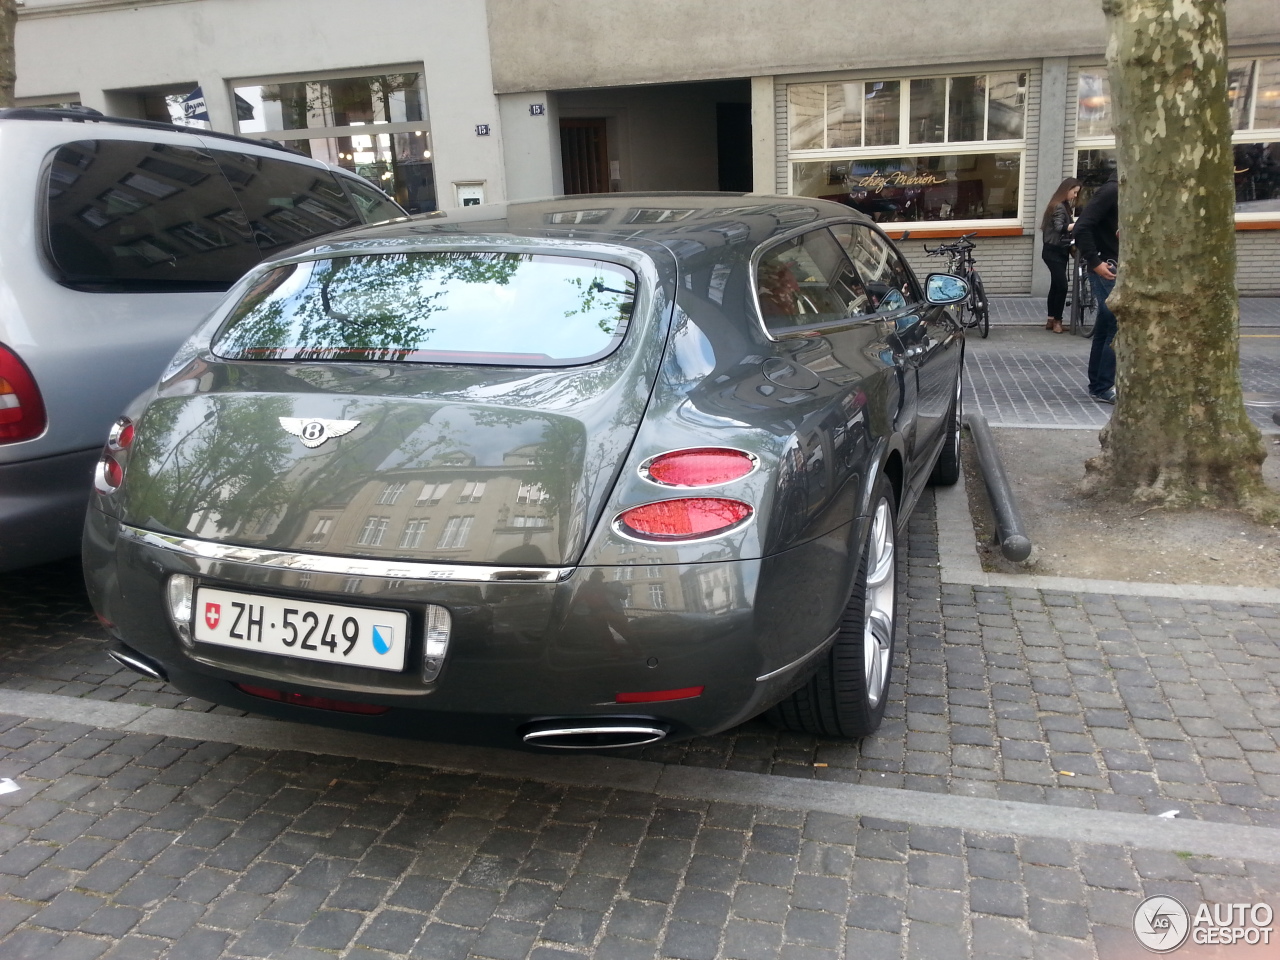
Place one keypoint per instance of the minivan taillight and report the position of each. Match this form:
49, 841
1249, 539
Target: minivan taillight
22, 415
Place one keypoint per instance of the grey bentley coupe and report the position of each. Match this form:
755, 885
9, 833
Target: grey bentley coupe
579, 473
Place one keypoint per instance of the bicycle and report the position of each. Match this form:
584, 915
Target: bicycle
974, 311
1084, 304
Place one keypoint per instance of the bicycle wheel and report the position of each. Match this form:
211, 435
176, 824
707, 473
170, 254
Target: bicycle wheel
980, 307
1084, 306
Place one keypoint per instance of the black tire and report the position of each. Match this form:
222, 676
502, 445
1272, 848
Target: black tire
846, 697
981, 308
1084, 305
946, 472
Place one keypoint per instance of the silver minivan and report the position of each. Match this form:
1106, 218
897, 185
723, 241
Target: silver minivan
117, 237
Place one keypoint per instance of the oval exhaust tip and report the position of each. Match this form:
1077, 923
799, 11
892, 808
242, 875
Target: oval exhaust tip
594, 736
137, 662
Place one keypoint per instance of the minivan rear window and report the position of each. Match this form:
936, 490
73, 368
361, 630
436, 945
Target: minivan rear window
126, 215
503, 308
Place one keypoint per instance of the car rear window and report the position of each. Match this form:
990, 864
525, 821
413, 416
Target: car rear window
124, 215
511, 309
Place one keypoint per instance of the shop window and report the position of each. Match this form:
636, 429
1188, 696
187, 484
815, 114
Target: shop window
374, 125
1253, 95
952, 170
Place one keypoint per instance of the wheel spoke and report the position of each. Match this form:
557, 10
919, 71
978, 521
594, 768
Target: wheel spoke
876, 650
880, 566
879, 604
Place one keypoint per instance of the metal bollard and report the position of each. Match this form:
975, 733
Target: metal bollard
1010, 532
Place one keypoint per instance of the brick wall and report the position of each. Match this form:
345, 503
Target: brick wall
1004, 262
1258, 263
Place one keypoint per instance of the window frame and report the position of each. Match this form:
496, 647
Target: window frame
826, 326
337, 132
905, 148
1238, 137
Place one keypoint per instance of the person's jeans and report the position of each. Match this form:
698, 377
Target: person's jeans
1102, 357
1056, 260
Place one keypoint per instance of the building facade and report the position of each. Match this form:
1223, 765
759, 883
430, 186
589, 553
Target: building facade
938, 116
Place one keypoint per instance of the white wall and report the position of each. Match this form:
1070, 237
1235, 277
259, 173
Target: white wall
82, 49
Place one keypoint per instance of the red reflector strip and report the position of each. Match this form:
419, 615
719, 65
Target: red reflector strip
306, 700
657, 696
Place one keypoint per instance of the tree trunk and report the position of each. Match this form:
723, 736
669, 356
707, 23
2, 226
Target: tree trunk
1179, 434
8, 62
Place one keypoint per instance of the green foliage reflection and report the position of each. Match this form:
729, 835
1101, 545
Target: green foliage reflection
463, 306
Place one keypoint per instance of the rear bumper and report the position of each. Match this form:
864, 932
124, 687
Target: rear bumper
522, 653
42, 507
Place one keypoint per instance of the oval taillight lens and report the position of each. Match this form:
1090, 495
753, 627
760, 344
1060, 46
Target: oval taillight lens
690, 518
109, 475
698, 467
121, 436
22, 415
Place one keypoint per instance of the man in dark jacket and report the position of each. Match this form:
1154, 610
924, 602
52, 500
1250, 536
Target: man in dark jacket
1097, 236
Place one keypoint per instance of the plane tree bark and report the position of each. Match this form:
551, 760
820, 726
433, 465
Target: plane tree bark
8, 62
1179, 434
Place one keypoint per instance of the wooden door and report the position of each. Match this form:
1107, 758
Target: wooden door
584, 154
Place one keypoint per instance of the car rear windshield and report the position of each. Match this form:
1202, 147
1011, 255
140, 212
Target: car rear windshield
512, 309
131, 216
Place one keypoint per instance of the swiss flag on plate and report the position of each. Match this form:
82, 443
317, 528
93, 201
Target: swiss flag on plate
212, 614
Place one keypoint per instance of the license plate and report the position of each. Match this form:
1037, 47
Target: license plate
300, 628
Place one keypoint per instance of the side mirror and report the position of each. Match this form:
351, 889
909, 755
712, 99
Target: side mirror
943, 288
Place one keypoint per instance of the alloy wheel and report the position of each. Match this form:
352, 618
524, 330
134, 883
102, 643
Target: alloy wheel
881, 598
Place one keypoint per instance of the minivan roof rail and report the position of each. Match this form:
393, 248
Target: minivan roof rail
88, 114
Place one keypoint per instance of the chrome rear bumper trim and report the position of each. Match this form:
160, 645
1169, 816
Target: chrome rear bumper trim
204, 553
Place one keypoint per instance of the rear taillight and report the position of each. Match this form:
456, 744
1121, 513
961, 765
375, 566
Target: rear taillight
121, 435
110, 471
698, 467
22, 415
689, 518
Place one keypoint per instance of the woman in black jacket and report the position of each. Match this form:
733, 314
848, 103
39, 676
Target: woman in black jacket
1055, 230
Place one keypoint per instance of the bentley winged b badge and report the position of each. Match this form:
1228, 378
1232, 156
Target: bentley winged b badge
313, 432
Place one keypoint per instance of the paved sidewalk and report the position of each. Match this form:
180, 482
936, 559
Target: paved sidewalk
1025, 377
1017, 311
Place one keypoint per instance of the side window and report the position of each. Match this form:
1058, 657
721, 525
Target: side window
283, 203
137, 216
888, 281
807, 280
373, 205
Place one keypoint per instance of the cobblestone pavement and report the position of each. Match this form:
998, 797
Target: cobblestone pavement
131, 846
